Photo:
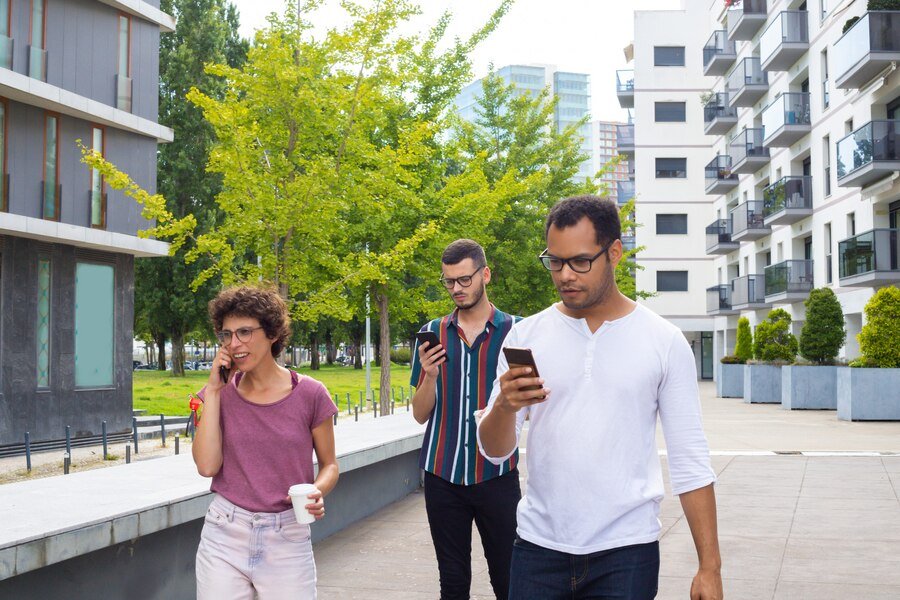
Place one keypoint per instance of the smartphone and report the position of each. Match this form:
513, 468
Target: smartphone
428, 336
522, 357
223, 373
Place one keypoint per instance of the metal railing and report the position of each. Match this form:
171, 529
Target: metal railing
749, 289
748, 215
718, 44
789, 27
874, 250
747, 72
717, 108
747, 7
719, 169
789, 276
718, 232
874, 141
625, 135
791, 108
875, 32
748, 143
791, 192
718, 297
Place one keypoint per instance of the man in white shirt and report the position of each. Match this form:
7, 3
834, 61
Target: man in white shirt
588, 524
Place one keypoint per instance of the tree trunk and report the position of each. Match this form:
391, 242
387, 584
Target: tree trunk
314, 351
160, 352
205, 344
357, 353
283, 291
385, 346
177, 354
329, 347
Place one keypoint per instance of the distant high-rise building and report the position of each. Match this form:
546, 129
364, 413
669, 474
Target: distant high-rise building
605, 135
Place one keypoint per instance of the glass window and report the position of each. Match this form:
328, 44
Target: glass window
51, 168
668, 56
4, 18
98, 204
671, 168
4, 182
37, 23
43, 323
94, 325
124, 46
671, 224
670, 112
671, 281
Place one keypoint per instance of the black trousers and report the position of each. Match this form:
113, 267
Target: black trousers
451, 509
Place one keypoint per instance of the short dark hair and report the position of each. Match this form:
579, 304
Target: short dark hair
460, 250
261, 303
603, 213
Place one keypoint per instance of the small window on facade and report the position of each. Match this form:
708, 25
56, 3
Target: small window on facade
671, 281
670, 112
669, 168
668, 56
671, 224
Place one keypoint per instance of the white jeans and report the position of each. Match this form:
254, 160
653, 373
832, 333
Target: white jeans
245, 555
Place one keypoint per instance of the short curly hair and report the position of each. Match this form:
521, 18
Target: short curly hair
261, 303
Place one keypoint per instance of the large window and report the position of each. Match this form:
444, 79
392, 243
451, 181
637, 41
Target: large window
668, 56
671, 281
43, 323
670, 112
671, 224
6, 43
671, 168
123, 74
37, 51
94, 325
98, 198
51, 189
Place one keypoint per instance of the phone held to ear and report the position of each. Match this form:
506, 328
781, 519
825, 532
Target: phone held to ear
223, 373
428, 336
522, 357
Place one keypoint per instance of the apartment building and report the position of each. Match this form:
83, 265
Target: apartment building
72, 70
606, 137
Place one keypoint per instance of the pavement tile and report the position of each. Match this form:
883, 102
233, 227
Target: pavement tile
805, 590
827, 570
678, 588
843, 549
847, 524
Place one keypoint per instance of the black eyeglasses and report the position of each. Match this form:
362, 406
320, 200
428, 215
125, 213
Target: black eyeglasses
243, 335
464, 281
577, 264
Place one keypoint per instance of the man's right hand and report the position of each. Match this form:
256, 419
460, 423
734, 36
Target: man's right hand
512, 397
431, 359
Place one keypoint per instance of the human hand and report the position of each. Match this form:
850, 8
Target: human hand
222, 359
431, 359
317, 507
707, 585
512, 395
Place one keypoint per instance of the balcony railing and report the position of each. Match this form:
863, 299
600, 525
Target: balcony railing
871, 258
869, 153
6, 52
719, 176
625, 88
624, 191
870, 45
786, 120
719, 53
748, 291
37, 63
718, 116
745, 18
625, 139
789, 280
123, 93
788, 200
747, 82
748, 154
785, 40
748, 221
718, 299
97, 209
628, 242
718, 237
51, 197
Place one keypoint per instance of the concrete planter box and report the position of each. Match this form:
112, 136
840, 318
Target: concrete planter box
762, 384
730, 383
809, 387
868, 394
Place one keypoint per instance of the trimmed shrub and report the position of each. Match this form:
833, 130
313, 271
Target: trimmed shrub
732, 360
849, 23
879, 337
401, 356
823, 332
774, 341
743, 348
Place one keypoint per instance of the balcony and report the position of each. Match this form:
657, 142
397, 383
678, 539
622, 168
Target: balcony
719, 176
748, 293
718, 237
748, 154
868, 154
123, 93
786, 120
718, 300
625, 140
6, 52
747, 83
870, 45
37, 63
785, 40
870, 259
788, 200
719, 54
628, 242
748, 222
624, 191
789, 281
745, 19
625, 88
718, 116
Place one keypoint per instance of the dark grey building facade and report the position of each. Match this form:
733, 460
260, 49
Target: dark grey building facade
88, 71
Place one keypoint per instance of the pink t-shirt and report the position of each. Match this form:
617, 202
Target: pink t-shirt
267, 448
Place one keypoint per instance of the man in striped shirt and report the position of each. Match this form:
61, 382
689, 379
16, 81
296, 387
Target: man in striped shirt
453, 380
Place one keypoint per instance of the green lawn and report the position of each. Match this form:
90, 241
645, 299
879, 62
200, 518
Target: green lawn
158, 392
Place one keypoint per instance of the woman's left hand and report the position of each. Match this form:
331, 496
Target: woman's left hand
317, 505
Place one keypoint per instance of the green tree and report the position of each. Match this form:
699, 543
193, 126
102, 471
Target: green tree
823, 332
743, 348
879, 337
773, 340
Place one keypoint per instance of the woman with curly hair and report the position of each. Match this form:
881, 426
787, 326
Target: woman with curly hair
261, 424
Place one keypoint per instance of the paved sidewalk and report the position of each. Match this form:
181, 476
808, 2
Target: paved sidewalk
821, 525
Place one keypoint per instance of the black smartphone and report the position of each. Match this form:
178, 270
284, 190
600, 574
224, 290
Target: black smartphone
223, 373
522, 357
428, 336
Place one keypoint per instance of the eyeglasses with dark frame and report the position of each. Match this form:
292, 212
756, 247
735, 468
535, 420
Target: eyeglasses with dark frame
464, 281
244, 334
578, 264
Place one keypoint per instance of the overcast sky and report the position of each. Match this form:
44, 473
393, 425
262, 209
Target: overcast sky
583, 36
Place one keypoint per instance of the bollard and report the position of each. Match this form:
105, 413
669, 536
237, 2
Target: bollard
135, 431
374, 410
407, 404
103, 425
66, 461
177, 438
162, 429
127, 454
69, 440
348, 404
392, 395
335, 418
361, 400
28, 451
334, 398
356, 413
392, 406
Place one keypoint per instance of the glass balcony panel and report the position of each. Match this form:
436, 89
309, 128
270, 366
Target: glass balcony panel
788, 200
871, 258
718, 115
748, 291
625, 138
784, 40
718, 174
718, 237
624, 191
747, 82
628, 242
748, 221
748, 154
870, 45
719, 53
37, 63
718, 299
786, 120
6, 52
123, 93
790, 279
869, 153
745, 18
625, 88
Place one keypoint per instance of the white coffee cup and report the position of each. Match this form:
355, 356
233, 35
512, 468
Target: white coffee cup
299, 499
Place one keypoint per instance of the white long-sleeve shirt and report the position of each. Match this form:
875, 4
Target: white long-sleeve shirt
594, 476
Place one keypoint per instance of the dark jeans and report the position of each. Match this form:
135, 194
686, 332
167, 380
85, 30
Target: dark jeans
628, 573
451, 509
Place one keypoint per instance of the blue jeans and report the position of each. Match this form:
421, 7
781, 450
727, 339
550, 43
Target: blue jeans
628, 573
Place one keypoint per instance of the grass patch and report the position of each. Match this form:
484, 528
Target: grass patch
158, 392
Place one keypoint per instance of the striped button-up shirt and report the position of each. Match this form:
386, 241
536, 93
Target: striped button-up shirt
463, 386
